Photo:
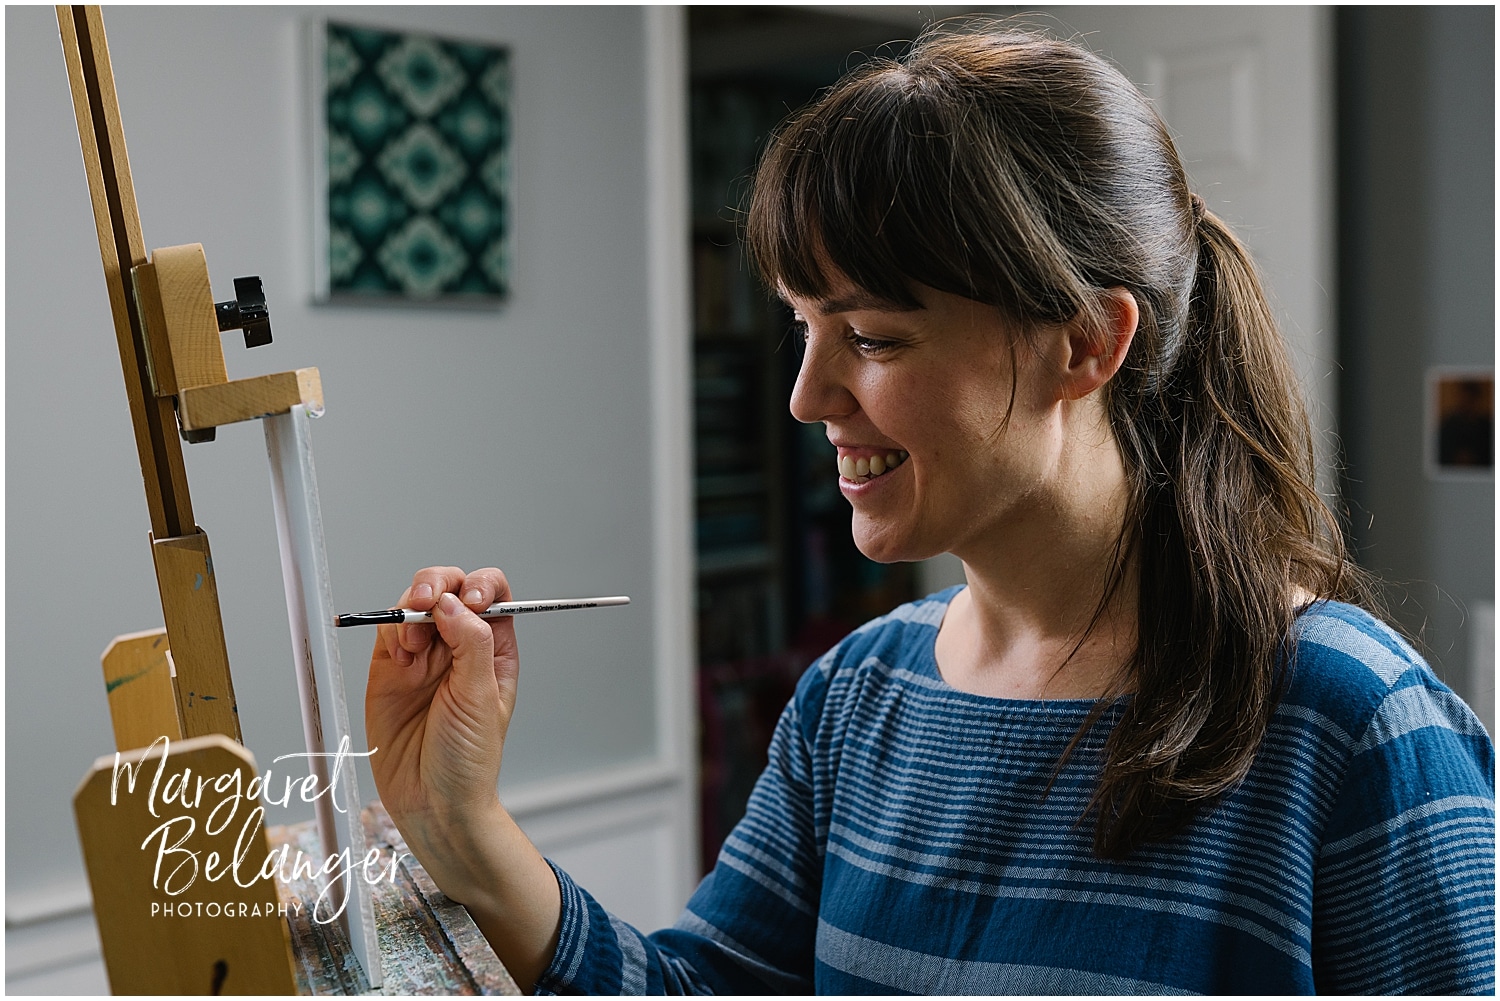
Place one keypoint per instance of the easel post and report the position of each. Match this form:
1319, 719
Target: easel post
167, 330
121, 249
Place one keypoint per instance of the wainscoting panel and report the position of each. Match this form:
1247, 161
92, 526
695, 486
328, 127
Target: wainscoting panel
623, 835
54, 955
627, 852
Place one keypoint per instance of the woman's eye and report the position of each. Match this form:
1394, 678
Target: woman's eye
866, 346
798, 334
869, 345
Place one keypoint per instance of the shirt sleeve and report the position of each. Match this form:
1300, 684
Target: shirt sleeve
748, 928
1404, 888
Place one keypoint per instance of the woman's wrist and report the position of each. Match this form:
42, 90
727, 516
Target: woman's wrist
455, 845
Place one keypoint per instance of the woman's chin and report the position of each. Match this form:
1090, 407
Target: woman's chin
879, 543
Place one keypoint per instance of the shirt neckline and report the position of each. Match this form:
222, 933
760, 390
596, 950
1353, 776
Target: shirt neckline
927, 662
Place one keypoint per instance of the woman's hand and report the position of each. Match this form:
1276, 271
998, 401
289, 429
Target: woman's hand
437, 707
440, 698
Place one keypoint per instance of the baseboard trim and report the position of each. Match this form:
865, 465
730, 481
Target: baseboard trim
51, 903
589, 787
63, 900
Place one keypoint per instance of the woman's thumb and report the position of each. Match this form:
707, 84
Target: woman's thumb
473, 646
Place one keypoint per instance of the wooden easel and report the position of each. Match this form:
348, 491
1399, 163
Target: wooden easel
172, 682
226, 935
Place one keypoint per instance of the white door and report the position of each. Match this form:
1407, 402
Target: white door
1247, 93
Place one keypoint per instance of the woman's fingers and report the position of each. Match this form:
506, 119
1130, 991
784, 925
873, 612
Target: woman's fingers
427, 585
483, 588
475, 591
385, 639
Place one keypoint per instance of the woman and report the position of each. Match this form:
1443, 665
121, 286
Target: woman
1148, 748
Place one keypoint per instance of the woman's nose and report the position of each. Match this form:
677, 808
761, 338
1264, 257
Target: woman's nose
820, 393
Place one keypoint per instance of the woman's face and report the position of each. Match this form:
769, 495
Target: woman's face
932, 385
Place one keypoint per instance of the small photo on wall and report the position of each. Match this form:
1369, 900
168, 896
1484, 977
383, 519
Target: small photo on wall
412, 167
1461, 422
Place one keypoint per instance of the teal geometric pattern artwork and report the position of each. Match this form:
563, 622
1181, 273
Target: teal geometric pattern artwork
418, 140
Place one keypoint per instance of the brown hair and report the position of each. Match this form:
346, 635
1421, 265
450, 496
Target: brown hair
1027, 173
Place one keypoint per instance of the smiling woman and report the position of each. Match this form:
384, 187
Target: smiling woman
937, 384
1153, 746
1005, 460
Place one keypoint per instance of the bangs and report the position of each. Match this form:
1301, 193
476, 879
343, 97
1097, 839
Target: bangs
812, 212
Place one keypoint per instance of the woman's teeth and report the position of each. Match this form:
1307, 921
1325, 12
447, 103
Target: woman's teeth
863, 468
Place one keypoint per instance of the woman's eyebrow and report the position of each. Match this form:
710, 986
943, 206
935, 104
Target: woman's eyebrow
860, 300
852, 301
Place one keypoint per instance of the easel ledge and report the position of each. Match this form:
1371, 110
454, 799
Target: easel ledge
428, 943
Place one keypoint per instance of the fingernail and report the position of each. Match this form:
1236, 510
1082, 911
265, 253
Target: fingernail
403, 657
449, 604
422, 591
472, 596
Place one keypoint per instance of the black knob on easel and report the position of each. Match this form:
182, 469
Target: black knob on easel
246, 311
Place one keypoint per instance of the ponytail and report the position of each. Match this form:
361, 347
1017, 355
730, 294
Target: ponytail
1229, 528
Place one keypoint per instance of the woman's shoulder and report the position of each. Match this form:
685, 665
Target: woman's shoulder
1359, 673
898, 643
902, 633
1344, 647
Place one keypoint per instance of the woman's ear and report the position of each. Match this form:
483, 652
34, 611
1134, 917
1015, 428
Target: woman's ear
1096, 354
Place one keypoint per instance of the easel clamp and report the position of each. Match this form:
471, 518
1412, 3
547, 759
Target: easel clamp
185, 358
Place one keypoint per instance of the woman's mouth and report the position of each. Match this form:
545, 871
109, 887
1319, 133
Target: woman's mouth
863, 468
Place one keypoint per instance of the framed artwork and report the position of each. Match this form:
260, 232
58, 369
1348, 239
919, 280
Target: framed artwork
1460, 423
411, 167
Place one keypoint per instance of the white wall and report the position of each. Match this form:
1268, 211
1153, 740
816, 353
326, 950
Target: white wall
1418, 294
521, 437
1460, 302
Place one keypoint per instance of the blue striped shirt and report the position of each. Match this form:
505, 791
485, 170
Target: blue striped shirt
899, 841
